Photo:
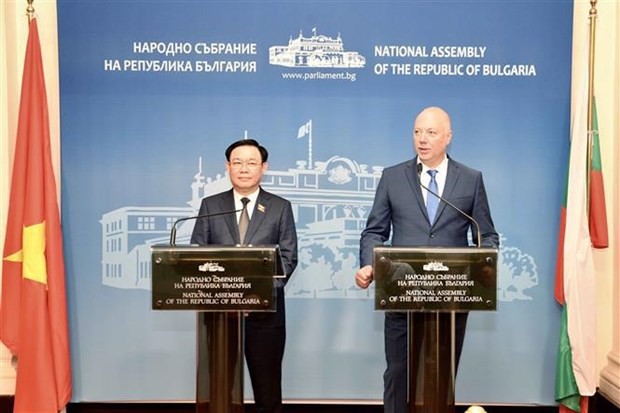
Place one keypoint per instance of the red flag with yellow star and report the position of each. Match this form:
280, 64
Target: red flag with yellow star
33, 309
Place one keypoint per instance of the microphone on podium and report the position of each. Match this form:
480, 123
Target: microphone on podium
457, 209
173, 231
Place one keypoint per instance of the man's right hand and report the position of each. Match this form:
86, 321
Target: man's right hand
363, 276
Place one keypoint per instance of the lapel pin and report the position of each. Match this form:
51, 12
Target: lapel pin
260, 207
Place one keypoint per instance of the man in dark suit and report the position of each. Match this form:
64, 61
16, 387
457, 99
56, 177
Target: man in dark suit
400, 211
271, 222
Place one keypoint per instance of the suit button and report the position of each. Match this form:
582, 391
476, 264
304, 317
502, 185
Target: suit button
432, 235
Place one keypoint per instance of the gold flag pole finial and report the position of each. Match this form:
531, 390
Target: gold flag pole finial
30, 10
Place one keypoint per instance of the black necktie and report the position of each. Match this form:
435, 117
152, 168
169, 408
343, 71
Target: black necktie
244, 220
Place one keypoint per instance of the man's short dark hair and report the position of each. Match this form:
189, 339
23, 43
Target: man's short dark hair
248, 142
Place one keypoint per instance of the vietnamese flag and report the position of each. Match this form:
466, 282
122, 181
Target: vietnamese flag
33, 309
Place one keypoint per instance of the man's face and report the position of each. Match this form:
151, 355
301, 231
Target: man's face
245, 169
431, 136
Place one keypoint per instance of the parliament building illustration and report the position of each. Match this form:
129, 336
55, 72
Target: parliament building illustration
318, 51
331, 200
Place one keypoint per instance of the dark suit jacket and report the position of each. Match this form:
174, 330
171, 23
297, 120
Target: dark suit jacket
399, 210
272, 222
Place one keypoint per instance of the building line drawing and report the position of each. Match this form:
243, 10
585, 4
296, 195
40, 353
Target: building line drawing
331, 200
318, 51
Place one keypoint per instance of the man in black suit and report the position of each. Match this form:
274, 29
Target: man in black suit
271, 222
400, 211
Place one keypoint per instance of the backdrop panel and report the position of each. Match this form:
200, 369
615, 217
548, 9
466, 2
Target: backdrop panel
153, 92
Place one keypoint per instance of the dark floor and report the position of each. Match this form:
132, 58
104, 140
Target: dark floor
598, 404
288, 408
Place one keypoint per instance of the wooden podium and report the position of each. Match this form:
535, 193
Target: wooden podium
437, 282
221, 284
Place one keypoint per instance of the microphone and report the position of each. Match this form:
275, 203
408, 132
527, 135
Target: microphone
457, 209
173, 231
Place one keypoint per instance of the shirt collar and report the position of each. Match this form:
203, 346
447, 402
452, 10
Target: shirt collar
252, 197
442, 168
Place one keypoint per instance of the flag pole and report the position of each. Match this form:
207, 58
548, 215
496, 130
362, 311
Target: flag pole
310, 146
592, 17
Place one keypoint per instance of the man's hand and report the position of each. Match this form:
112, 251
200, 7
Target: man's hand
363, 276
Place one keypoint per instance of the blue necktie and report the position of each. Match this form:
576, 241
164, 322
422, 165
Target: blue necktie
432, 202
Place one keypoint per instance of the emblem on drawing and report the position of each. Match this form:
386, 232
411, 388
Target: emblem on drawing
317, 50
339, 175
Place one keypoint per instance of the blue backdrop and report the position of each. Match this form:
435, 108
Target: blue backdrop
153, 92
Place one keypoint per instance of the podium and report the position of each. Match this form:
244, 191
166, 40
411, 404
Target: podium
434, 286
221, 284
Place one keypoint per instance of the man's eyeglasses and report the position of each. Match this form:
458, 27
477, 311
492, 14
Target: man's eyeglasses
251, 165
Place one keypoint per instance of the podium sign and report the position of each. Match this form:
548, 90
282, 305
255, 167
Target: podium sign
220, 283
435, 279
432, 285
215, 278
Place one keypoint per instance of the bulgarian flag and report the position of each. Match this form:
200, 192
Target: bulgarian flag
575, 283
598, 214
33, 310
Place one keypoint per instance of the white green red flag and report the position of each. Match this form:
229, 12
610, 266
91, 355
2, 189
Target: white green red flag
33, 309
597, 205
583, 227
